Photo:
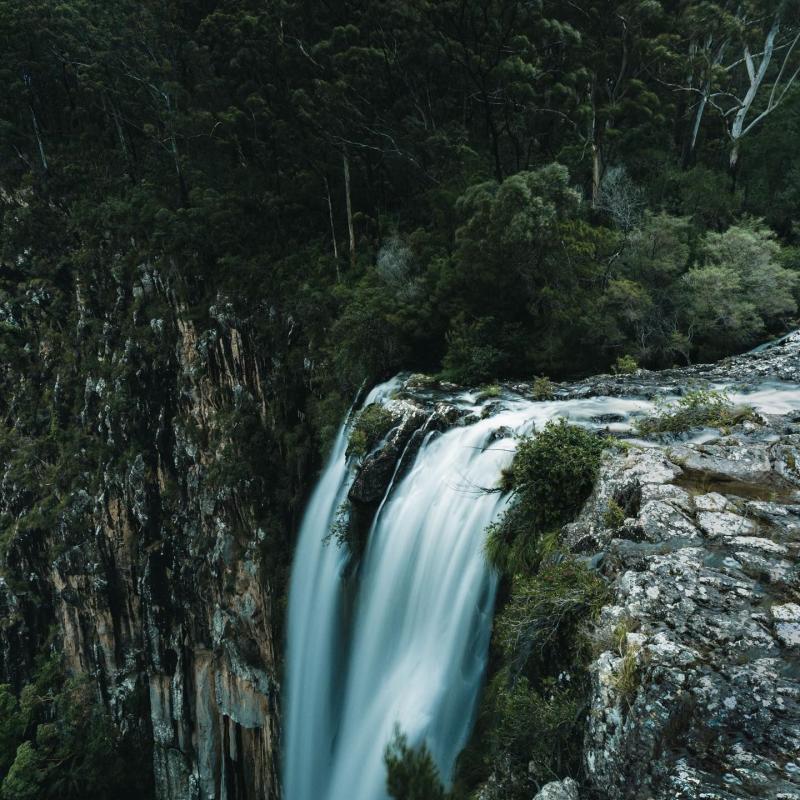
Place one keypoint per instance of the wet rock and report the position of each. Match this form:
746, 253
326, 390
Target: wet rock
559, 790
375, 473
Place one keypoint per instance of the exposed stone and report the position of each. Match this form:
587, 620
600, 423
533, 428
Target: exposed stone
559, 790
714, 711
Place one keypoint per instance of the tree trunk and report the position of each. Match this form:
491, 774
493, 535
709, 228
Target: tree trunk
333, 229
597, 174
698, 118
350, 229
595, 136
39, 139
733, 163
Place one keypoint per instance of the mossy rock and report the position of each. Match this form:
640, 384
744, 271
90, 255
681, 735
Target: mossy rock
371, 425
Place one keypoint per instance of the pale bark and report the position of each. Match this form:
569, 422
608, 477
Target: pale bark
333, 228
39, 142
705, 94
350, 228
739, 126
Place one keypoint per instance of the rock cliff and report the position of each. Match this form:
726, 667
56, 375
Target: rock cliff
145, 521
148, 494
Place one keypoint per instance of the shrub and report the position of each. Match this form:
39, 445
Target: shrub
473, 355
539, 624
553, 474
614, 516
58, 741
536, 733
627, 678
531, 721
371, 425
555, 470
490, 392
625, 365
411, 774
542, 388
696, 409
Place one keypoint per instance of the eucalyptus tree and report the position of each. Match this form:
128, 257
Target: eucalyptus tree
743, 60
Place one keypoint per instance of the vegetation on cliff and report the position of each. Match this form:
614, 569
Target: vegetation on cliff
552, 474
530, 725
57, 740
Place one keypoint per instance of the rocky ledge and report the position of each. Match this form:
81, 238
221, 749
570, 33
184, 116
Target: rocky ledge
697, 693
697, 690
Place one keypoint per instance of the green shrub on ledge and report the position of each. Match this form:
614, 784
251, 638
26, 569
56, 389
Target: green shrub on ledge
698, 408
553, 473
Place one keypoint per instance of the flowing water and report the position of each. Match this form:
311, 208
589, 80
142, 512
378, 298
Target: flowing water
407, 646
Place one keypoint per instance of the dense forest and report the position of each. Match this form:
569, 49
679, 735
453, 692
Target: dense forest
480, 189
490, 188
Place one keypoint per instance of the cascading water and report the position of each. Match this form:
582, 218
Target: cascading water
411, 652
421, 625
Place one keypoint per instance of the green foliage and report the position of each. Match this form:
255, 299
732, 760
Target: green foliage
536, 737
614, 516
471, 354
740, 291
531, 723
411, 773
544, 613
554, 471
696, 409
143, 141
627, 678
489, 392
625, 365
58, 741
370, 426
12, 727
553, 474
26, 775
542, 388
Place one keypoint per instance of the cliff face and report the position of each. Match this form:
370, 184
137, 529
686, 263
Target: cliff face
144, 520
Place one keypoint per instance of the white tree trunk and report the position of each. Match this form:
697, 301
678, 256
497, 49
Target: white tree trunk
350, 229
333, 228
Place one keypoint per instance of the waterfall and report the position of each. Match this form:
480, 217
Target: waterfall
416, 653
410, 648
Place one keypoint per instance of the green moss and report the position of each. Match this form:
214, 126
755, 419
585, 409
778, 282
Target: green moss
370, 426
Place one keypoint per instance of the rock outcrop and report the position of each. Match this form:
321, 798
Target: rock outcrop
155, 572
147, 510
696, 692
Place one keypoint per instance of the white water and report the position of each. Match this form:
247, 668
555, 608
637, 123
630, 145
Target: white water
410, 650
